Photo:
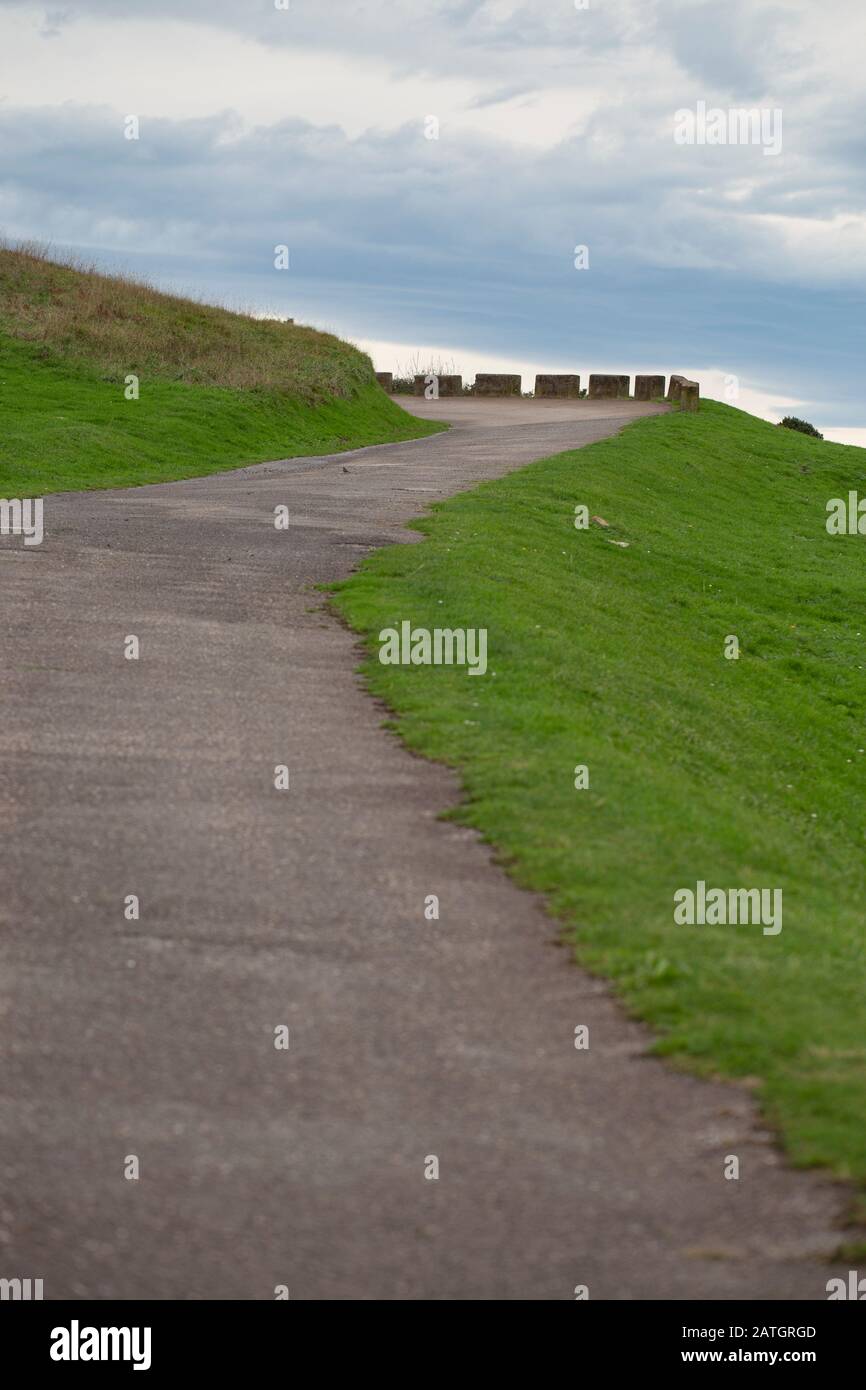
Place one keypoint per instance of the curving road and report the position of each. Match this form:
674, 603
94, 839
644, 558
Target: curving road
154, 1038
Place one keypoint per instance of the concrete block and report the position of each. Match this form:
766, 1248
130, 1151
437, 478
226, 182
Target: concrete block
494, 384
558, 386
607, 387
647, 388
684, 392
433, 386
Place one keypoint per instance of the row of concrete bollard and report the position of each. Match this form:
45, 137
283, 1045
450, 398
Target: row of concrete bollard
646, 388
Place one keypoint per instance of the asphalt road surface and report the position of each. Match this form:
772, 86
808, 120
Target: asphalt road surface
152, 1041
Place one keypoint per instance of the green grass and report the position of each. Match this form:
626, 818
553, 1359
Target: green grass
217, 390
747, 773
63, 427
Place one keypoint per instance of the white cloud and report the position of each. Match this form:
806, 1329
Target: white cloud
846, 436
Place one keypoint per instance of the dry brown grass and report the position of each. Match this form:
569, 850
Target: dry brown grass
120, 325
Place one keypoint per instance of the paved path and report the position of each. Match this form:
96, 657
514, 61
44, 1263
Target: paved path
155, 1038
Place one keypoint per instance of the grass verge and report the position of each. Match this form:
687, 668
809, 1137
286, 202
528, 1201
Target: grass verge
62, 427
215, 389
741, 773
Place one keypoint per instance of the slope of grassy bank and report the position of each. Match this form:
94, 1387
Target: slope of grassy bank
742, 773
216, 390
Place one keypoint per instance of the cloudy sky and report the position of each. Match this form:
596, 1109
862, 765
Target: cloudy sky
308, 123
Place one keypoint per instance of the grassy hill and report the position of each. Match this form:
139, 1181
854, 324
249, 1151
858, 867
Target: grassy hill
216, 389
740, 773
